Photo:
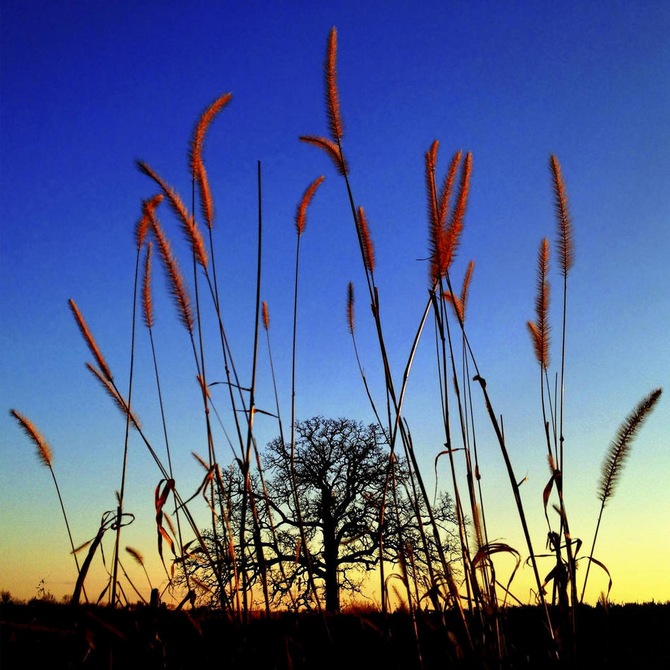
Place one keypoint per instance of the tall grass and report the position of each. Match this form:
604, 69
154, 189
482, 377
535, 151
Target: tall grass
235, 550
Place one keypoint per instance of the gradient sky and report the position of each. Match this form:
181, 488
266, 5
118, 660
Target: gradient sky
87, 88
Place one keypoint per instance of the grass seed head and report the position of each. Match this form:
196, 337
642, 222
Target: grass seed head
332, 93
44, 452
301, 212
566, 249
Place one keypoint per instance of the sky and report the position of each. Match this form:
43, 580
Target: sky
89, 88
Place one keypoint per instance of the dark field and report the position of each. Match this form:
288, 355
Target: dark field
56, 636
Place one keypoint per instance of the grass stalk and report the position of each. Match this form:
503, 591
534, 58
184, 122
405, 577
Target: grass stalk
148, 314
300, 224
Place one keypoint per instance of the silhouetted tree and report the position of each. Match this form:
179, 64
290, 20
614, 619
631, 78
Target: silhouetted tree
344, 478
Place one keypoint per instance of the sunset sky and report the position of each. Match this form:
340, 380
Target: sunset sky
88, 88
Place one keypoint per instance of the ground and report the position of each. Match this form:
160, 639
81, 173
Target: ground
40, 634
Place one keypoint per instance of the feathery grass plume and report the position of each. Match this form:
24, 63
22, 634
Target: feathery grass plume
430, 166
438, 207
435, 235
331, 149
448, 187
566, 251
456, 303
44, 452
143, 225
332, 93
620, 446
366, 240
350, 307
140, 560
465, 288
204, 122
453, 232
176, 280
45, 455
136, 555
114, 394
147, 302
616, 456
186, 219
459, 302
141, 229
301, 212
88, 336
566, 260
266, 316
539, 329
197, 165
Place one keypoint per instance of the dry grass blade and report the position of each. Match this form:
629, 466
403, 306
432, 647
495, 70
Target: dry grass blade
366, 241
331, 148
176, 280
539, 330
603, 595
82, 546
566, 251
197, 165
332, 93
484, 553
200, 584
546, 492
44, 452
301, 212
161, 494
619, 449
193, 234
88, 336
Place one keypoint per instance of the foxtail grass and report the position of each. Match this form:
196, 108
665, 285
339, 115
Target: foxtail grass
566, 259
45, 456
615, 459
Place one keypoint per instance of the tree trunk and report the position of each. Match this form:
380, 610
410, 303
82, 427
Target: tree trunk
330, 553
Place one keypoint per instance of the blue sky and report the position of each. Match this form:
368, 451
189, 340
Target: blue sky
87, 88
